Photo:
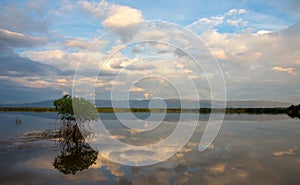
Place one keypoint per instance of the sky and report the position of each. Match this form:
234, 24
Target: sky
145, 49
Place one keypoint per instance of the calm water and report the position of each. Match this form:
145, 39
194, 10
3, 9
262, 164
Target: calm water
250, 149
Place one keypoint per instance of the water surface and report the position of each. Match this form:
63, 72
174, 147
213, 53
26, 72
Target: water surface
250, 149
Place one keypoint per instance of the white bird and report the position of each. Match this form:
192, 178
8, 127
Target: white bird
19, 120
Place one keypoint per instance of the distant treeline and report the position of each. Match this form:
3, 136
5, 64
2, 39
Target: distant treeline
293, 111
27, 109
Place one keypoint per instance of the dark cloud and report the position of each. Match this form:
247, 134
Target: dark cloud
10, 93
180, 52
11, 64
93, 72
292, 30
103, 73
15, 65
14, 39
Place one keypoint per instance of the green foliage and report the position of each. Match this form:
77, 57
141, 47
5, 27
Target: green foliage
75, 108
64, 107
84, 110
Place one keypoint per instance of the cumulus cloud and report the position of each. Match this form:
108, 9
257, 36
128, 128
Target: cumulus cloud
237, 48
122, 15
63, 59
270, 56
252, 49
219, 54
113, 15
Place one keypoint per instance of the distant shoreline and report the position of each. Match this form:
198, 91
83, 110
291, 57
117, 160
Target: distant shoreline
278, 110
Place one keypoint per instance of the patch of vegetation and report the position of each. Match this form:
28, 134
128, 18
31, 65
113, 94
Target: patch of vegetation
76, 154
293, 111
78, 109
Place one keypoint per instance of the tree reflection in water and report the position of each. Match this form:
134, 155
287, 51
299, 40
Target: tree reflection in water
76, 155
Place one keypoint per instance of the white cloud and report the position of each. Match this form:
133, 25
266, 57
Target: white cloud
235, 22
33, 83
289, 70
115, 82
122, 15
232, 12
262, 32
65, 60
137, 89
251, 55
206, 23
62, 80
242, 11
58, 58
39, 82
236, 12
98, 10
219, 53
233, 17
244, 48
113, 15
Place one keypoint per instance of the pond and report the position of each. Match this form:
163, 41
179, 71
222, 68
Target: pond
249, 149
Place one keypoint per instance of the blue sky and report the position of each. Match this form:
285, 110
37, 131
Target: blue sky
256, 44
